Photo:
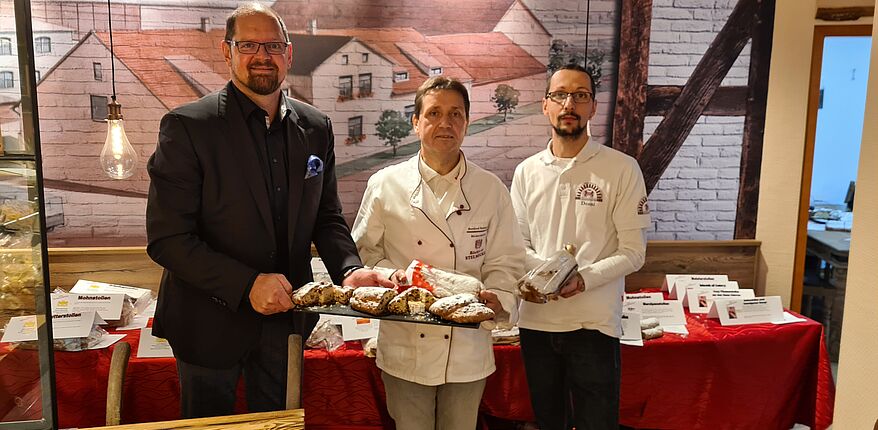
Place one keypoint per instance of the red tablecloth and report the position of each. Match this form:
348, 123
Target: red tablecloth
761, 376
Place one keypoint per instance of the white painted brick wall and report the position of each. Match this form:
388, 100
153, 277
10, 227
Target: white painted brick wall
696, 197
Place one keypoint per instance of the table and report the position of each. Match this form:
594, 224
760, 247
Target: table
832, 248
293, 419
761, 376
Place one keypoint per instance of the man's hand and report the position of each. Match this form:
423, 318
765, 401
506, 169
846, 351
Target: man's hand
574, 286
399, 277
367, 278
271, 293
490, 299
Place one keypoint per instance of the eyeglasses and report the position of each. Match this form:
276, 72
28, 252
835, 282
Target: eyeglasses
560, 97
248, 47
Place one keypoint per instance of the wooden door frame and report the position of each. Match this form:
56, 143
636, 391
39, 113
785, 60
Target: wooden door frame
821, 32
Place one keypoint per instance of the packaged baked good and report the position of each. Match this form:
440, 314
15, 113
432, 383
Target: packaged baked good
441, 282
652, 333
543, 282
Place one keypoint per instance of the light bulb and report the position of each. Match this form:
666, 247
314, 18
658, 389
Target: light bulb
118, 157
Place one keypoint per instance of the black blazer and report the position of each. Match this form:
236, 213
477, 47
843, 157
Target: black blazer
208, 221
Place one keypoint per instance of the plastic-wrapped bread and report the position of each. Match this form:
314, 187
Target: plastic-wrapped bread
648, 323
543, 282
442, 283
372, 300
652, 333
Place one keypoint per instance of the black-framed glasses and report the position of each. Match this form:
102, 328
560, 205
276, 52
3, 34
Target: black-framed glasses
248, 47
578, 97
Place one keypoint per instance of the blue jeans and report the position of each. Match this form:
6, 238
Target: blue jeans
574, 378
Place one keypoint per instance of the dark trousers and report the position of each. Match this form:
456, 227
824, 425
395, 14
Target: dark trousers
573, 377
207, 392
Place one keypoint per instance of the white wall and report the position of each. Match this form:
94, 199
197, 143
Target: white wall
784, 143
855, 402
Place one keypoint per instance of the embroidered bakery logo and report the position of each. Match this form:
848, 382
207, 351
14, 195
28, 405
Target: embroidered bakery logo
478, 234
643, 206
589, 194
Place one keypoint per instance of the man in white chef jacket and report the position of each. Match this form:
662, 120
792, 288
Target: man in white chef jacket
449, 213
578, 191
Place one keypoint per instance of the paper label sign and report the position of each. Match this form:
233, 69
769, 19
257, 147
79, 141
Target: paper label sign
631, 327
108, 306
643, 297
358, 328
699, 299
151, 346
141, 296
73, 324
64, 326
668, 312
20, 329
747, 311
684, 288
671, 281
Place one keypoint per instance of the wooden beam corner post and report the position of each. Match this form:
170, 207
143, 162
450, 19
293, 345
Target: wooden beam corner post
630, 109
754, 122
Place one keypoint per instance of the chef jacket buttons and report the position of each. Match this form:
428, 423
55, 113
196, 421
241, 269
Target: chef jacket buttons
422, 335
451, 245
446, 336
420, 243
459, 212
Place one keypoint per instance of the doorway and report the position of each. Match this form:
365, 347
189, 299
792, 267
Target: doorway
836, 106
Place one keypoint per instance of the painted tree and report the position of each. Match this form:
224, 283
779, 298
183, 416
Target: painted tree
557, 55
505, 99
392, 127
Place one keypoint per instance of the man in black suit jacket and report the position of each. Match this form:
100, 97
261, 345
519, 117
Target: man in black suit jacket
243, 181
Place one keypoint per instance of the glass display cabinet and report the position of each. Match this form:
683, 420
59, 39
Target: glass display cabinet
27, 389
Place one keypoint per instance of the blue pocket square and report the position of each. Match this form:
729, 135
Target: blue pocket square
314, 167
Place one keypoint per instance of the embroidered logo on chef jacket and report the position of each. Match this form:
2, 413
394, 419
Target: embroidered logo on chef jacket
589, 194
643, 206
477, 236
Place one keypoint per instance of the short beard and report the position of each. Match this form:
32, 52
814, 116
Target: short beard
262, 85
574, 134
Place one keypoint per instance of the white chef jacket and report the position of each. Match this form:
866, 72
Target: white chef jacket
597, 202
399, 220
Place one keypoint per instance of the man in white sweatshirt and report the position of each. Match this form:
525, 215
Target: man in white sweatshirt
578, 192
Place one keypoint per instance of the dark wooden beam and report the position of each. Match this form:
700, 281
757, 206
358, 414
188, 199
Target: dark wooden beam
726, 101
706, 78
633, 73
754, 122
58, 184
844, 13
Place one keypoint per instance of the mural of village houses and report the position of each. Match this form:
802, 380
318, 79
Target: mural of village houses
361, 63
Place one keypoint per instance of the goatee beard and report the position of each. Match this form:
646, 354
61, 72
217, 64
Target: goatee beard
261, 84
575, 133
